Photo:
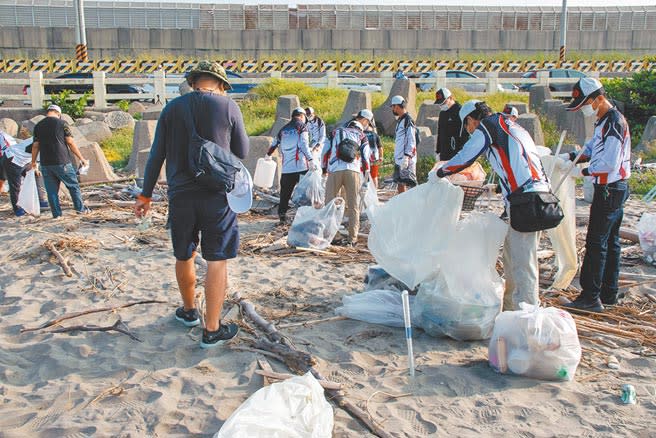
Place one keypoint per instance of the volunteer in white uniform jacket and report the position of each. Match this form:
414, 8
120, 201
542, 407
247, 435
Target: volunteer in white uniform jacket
293, 140
609, 154
317, 129
513, 156
17, 160
346, 173
405, 146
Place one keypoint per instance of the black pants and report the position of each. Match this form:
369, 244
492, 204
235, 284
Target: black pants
14, 175
601, 264
287, 183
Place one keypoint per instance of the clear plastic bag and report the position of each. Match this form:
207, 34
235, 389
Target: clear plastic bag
310, 190
370, 200
28, 197
316, 228
464, 296
563, 237
408, 232
294, 408
535, 342
647, 235
378, 278
377, 307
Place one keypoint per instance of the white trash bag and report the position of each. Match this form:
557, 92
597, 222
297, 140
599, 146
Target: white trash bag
535, 342
370, 200
310, 190
294, 408
377, 307
314, 228
378, 278
465, 295
647, 236
28, 197
406, 236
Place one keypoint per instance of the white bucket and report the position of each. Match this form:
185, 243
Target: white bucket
265, 172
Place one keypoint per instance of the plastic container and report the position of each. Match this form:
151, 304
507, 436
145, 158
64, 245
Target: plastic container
265, 172
588, 189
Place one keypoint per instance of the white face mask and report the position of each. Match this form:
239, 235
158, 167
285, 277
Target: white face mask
443, 106
588, 111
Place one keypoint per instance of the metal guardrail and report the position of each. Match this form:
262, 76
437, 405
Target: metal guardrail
161, 86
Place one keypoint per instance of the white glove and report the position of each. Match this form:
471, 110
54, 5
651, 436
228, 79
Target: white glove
313, 166
267, 157
564, 156
406, 162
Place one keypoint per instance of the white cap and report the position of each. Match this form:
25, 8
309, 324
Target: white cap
511, 111
54, 108
582, 90
309, 110
240, 198
298, 111
397, 100
442, 95
356, 124
366, 114
467, 109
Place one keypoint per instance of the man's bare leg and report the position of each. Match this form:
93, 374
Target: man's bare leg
185, 273
401, 188
216, 283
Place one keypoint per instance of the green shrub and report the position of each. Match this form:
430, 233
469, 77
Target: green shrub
137, 116
641, 182
71, 106
118, 147
123, 105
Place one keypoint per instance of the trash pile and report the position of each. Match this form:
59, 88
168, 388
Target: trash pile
316, 228
310, 190
535, 342
647, 236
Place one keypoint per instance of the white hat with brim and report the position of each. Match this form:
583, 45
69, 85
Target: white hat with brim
240, 198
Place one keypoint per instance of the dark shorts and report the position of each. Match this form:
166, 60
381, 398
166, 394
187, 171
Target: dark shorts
206, 214
407, 177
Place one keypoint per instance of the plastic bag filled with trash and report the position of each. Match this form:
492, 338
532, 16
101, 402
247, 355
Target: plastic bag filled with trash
316, 228
378, 278
464, 296
370, 199
647, 236
294, 408
310, 190
535, 342
408, 232
377, 307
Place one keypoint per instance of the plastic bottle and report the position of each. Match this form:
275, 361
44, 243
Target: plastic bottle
265, 171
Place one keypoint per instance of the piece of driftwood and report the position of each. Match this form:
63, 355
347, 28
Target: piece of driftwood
88, 312
248, 309
312, 322
50, 246
326, 384
276, 246
629, 234
297, 361
316, 251
93, 328
266, 366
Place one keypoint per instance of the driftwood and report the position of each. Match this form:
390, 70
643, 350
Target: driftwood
297, 361
88, 312
312, 322
628, 234
277, 245
60, 258
326, 384
248, 309
93, 328
266, 366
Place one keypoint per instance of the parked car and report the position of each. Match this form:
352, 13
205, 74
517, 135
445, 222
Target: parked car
467, 86
84, 88
172, 89
373, 88
554, 73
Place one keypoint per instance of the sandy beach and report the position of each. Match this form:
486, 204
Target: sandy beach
79, 384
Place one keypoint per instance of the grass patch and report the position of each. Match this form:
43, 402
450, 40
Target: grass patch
118, 147
642, 181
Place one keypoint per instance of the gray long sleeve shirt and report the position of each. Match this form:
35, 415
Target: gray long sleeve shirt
217, 118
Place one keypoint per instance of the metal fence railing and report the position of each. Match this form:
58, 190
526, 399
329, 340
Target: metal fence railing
169, 15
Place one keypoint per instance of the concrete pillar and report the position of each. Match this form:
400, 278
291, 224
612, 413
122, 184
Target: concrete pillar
37, 94
440, 79
99, 90
492, 82
332, 79
388, 81
276, 74
160, 87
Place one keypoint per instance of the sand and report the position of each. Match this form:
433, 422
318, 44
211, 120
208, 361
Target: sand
106, 384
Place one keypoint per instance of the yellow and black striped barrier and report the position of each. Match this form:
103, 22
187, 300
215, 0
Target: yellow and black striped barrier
230, 64
460, 65
106, 65
386, 65
16, 65
186, 65
62, 66
584, 65
618, 66
268, 65
601, 66
309, 66
478, 66
367, 67
568, 64
170, 66
85, 66
148, 66
423, 65
496, 66
348, 66
651, 65
514, 66
405, 65
532, 65
549, 65
328, 65
289, 66
249, 66
636, 65
442, 65
130, 66
42, 65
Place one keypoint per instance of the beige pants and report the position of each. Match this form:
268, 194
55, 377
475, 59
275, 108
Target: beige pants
520, 265
350, 181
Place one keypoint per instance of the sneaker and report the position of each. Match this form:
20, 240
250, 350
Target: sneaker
582, 304
20, 212
85, 210
225, 333
44, 205
189, 317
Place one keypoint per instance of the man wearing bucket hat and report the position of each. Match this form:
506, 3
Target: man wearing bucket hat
198, 214
450, 135
405, 145
609, 155
293, 140
513, 156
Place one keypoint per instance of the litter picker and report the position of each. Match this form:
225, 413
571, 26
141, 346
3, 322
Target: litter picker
560, 145
408, 331
569, 169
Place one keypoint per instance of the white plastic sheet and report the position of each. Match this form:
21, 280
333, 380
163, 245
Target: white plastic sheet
370, 200
310, 190
464, 297
647, 235
563, 237
295, 408
408, 232
316, 228
377, 307
28, 197
535, 342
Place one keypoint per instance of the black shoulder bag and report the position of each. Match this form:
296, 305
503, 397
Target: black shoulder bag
211, 165
534, 211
